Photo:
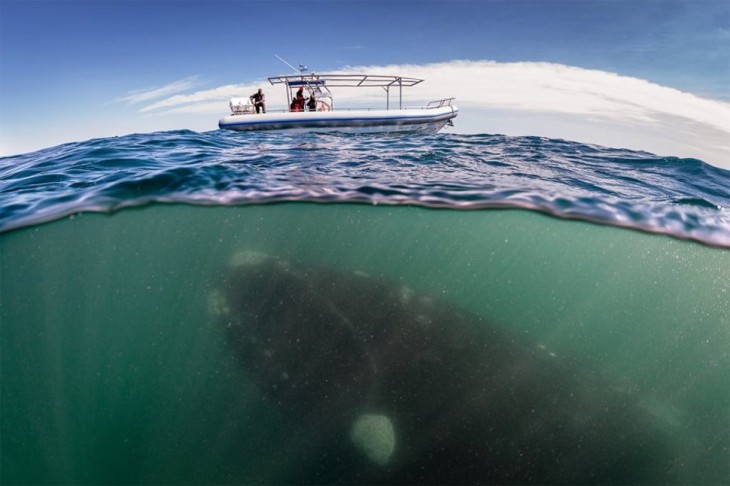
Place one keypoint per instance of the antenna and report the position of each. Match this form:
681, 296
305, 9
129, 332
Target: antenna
301, 69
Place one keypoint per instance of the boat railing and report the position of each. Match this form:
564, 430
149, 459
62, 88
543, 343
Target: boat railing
440, 103
249, 110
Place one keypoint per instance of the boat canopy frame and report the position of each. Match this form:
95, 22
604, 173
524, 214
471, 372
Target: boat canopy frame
316, 83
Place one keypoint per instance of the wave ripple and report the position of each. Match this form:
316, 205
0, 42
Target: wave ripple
685, 198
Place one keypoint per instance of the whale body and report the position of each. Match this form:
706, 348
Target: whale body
382, 384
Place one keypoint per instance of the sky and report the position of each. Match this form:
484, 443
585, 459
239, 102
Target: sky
649, 75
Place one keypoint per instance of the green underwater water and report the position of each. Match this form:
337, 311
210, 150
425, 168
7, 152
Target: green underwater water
113, 371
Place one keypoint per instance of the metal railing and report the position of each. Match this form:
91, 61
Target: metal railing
440, 103
430, 105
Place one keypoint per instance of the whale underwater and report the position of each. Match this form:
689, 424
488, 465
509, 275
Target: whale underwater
380, 384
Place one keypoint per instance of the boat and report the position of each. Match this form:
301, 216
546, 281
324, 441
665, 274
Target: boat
322, 115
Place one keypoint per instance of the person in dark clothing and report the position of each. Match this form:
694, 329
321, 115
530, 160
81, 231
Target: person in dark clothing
259, 101
300, 98
312, 103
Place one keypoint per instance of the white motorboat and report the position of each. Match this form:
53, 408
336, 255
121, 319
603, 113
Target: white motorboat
321, 115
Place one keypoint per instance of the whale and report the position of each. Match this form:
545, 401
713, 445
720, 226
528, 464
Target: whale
383, 384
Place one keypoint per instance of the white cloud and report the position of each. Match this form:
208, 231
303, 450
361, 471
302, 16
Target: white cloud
143, 95
556, 88
220, 95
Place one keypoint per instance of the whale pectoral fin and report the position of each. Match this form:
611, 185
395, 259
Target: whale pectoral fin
374, 436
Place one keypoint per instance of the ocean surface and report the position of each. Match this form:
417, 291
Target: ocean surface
610, 266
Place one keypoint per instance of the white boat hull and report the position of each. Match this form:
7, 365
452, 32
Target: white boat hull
424, 120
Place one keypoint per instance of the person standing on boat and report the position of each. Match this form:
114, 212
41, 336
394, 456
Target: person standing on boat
312, 103
300, 98
259, 101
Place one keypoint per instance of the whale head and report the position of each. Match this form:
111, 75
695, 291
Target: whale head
293, 342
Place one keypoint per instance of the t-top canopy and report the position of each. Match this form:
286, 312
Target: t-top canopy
321, 83
344, 80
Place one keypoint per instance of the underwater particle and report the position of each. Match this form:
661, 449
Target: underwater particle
374, 435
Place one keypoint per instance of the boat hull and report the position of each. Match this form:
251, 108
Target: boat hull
426, 120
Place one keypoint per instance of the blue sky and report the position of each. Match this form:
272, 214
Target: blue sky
70, 70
